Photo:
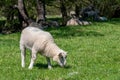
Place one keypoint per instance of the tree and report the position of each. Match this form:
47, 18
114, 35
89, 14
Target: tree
40, 10
27, 10
10, 13
23, 12
64, 12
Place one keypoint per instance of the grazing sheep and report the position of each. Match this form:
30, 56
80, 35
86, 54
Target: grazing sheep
72, 22
75, 21
39, 41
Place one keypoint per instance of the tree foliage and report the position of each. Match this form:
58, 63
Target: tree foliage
108, 8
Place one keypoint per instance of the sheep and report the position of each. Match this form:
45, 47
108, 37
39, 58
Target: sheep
39, 41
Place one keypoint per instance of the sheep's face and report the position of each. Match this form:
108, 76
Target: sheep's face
61, 58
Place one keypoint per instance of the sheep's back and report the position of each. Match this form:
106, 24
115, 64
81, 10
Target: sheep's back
31, 35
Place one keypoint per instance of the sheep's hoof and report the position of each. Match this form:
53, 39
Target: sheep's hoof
49, 67
29, 67
23, 66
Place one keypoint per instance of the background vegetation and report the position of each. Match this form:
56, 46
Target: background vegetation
93, 54
107, 8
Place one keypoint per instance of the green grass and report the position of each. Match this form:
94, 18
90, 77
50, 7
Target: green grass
93, 54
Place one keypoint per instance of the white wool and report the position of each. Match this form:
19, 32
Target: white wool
40, 40
72, 22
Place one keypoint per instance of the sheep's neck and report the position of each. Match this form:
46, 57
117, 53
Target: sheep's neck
52, 50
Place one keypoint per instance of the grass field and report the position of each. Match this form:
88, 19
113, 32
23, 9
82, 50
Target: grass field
93, 54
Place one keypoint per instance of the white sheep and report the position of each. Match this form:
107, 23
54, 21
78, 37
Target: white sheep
39, 41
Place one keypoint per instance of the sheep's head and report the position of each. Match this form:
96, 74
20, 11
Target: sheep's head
61, 58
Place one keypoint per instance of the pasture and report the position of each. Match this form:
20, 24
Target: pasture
93, 54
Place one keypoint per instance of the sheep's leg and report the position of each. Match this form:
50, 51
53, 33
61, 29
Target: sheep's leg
49, 63
23, 53
33, 58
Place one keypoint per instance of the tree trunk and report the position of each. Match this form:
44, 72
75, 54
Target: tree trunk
23, 12
116, 13
40, 10
77, 10
64, 12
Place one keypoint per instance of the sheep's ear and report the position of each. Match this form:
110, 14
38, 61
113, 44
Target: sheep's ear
60, 55
66, 53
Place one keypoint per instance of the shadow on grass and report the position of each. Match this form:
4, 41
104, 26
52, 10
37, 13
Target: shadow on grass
114, 21
45, 66
73, 31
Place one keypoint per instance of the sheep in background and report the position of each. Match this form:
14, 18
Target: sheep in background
37, 25
39, 41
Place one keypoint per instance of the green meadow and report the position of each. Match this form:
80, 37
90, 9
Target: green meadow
93, 54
